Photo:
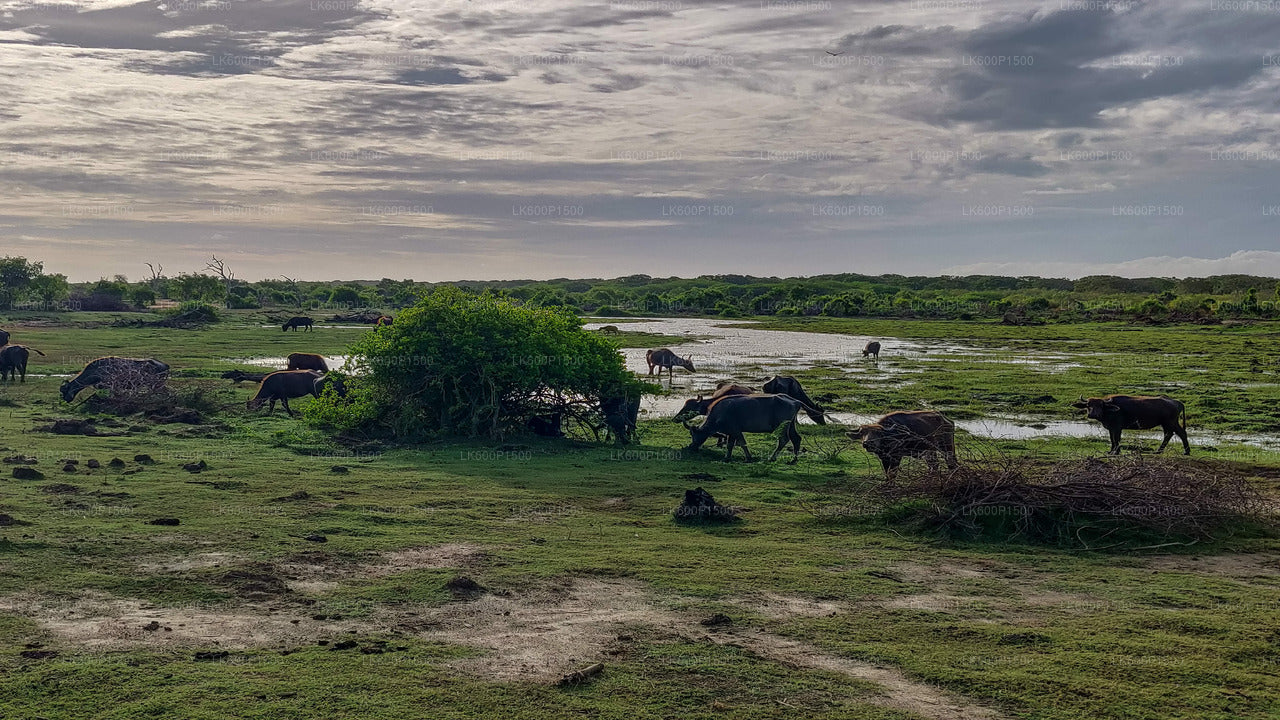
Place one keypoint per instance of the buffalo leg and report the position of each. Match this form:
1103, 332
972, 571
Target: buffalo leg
1115, 442
285, 402
272, 407
728, 450
890, 467
1168, 433
742, 440
1182, 434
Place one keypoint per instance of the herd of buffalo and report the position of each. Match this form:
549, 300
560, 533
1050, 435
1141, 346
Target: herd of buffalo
729, 413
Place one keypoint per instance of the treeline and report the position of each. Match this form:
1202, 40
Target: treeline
23, 284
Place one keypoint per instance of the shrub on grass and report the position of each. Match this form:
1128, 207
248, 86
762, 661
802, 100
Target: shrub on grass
469, 365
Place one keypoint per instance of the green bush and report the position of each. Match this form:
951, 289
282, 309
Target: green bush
472, 365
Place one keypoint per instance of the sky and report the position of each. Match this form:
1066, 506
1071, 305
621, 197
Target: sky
507, 139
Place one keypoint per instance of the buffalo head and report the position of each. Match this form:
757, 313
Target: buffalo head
68, 391
690, 409
1097, 407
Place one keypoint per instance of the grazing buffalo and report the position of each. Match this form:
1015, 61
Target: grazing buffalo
737, 414
785, 385
384, 321
239, 376
620, 416
546, 425
664, 359
296, 322
1138, 412
922, 434
610, 329
4, 338
700, 405
284, 385
307, 361
110, 369
872, 349
13, 361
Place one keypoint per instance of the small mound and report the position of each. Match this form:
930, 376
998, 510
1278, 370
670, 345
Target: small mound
700, 506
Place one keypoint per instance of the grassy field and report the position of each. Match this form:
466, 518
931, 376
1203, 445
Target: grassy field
303, 580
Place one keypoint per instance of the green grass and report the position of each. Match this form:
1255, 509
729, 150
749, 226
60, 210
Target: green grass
1038, 632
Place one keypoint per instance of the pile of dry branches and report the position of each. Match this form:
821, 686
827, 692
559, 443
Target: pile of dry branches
1072, 499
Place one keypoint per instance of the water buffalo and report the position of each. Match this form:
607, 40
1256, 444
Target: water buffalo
111, 369
620, 416
297, 322
737, 414
922, 434
546, 425
785, 385
872, 349
4, 338
384, 321
1138, 412
284, 385
13, 361
239, 376
610, 329
306, 361
700, 405
664, 359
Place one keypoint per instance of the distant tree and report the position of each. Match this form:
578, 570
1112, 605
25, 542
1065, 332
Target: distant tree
196, 287
50, 289
219, 268
16, 276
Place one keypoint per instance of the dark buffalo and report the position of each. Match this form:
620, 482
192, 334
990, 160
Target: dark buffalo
872, 349
239, 376
700, 405
621, 412
13, 361
1138, 412
785, 385
384, 321
112, 369
610, 329
921, 434
664, 359
307, 361
296, 322
284, 385
546, 425
737, 414
4, 338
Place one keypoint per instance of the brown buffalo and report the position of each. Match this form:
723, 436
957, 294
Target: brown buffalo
700, 405
307, 361
115, 369
610, 329
737, 414
872, 349
1138, 412
920, 434
664, 359
384, 321
13, 361
284, 385
296, 322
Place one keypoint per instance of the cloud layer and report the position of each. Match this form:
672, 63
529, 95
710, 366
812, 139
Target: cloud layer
543, 138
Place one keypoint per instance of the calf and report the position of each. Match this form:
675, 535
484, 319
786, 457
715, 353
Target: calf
737, 414
1138, 412
921, 434
664, 359
785, 385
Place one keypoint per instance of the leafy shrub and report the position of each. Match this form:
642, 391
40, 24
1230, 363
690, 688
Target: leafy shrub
473, 365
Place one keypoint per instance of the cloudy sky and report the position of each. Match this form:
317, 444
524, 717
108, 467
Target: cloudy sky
455, 139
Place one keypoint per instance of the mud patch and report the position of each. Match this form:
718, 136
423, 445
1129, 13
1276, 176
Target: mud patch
1260, 568
106, 623
435, 557
784, 607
